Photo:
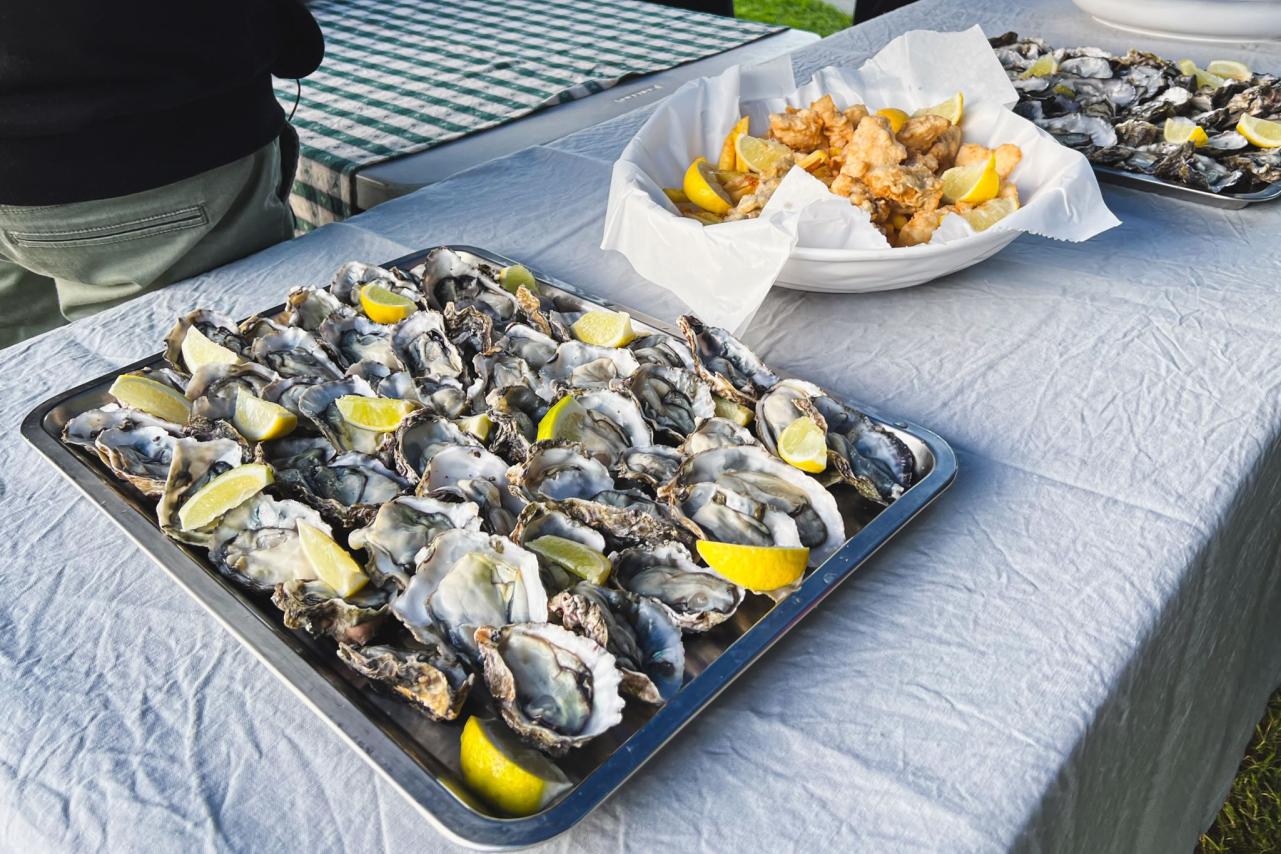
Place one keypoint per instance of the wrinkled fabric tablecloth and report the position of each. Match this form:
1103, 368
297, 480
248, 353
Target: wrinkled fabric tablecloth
1066, 653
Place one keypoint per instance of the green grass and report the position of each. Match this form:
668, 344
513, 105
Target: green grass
813, 15
1250, 821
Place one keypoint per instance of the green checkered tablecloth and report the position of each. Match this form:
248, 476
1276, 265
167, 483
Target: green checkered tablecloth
401, 76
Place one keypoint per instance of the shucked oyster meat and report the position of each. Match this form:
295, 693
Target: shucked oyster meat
440, 506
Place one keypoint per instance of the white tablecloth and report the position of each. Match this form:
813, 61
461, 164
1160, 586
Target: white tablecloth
1066, 653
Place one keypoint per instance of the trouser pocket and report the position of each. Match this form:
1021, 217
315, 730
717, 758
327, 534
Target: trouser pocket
193, 216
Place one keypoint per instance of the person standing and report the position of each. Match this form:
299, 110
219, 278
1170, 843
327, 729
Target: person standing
140, 143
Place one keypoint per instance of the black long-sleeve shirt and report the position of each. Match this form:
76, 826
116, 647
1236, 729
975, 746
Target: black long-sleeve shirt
101, 99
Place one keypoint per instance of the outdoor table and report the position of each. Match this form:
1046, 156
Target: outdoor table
1067, 652
410, 81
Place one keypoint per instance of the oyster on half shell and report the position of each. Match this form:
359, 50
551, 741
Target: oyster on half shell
428, 675
696, 598
466, 579
640, 633
556, 689
314, 607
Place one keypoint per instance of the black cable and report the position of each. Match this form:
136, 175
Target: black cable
297, 98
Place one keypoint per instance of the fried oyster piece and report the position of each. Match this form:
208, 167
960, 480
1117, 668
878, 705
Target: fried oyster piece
873, 144
800, 130
909, 189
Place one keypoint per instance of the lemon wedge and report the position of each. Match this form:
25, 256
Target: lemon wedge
702, 188
1043, 67
729, 152
225, 492
198, 350
260, 420
152, 397
1261, 132
972, 184
377, 414
517, 276
733, 411
1230, 69
1203, 77
383, 306
563, 421
759, 568
333, 564
987, 214
897, 118
604, 328
1179, 130
477, 425
804, 444
583, 561
510, 777
952, 109
761, 155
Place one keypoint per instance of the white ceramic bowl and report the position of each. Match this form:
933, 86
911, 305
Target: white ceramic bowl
1202, 20
845, 271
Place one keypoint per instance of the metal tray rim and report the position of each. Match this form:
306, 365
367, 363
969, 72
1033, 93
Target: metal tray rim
1149, 183
446, 812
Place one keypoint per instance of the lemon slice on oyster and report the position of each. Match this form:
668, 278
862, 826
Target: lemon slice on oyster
604, 328
733, 411
376, 414
477, 425
517, 276
804, 444
585, 562
758, 568
1179, 130
332, 563
1230, 69
198, 350
1043, 67
1261, 132
383, 306
261, 420
563, 421
225, 492
152, 397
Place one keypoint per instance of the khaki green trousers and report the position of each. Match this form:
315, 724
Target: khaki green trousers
64, 262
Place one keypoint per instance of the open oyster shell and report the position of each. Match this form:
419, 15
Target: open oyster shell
640, 633
466, 579
405, 526
313, 606
428, 675
696, 598
555, 689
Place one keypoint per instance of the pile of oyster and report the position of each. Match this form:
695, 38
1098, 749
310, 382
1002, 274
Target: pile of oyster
1112, 108
441, 517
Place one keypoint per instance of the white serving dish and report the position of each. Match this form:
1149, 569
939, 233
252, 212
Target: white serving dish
1198, 20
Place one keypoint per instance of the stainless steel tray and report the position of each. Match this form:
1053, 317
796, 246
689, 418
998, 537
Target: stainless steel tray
420, 757
1148, 183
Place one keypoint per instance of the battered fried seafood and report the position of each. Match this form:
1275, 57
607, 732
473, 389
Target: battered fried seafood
901, 179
